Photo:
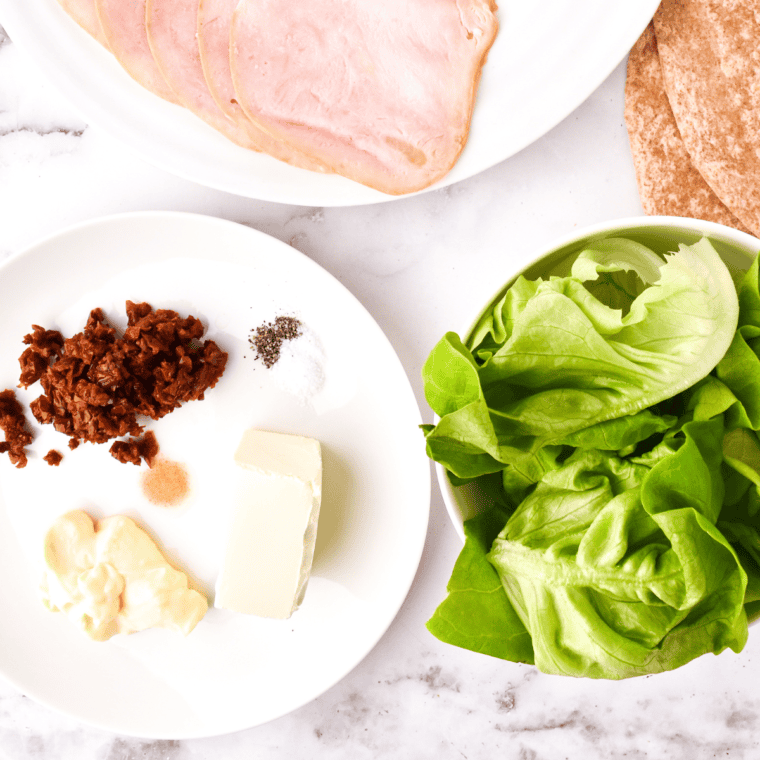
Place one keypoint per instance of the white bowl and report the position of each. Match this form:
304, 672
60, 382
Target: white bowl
662, 234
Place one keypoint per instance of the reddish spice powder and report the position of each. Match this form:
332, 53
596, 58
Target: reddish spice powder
166, 483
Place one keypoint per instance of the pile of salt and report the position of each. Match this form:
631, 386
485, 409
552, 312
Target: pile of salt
293, 354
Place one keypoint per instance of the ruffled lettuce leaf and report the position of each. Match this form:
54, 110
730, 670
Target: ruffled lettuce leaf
621, 434
617, 569
739, 369
550, 359
734, 389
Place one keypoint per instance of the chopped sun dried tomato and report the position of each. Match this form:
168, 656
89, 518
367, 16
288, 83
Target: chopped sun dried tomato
96, 383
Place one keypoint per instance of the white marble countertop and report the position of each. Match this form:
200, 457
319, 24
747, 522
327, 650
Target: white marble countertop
421, 266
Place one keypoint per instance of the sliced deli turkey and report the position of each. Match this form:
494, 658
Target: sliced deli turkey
380, 92
124, 28
172, 35
86, 15
213, 30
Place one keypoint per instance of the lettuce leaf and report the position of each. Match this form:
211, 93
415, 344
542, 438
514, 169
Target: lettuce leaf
618, 570
550, 359
739, 369
476, 614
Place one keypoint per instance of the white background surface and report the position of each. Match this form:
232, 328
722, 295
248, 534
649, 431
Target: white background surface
420, 266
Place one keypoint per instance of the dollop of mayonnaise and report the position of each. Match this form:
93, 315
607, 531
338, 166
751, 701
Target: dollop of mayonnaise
111, 578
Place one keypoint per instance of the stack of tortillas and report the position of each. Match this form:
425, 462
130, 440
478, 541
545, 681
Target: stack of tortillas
691, 108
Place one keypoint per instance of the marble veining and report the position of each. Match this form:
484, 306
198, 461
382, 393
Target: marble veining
28, 132
421, 266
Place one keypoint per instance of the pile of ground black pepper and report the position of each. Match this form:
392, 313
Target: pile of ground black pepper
268, 338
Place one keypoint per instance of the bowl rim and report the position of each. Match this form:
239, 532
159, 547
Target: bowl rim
744, 242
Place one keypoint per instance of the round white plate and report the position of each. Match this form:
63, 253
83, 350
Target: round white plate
661, 233
547, 59
233, 671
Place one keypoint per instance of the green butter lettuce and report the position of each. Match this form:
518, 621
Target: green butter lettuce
550, 359
612, 415
739, 369
612, 566
476, 614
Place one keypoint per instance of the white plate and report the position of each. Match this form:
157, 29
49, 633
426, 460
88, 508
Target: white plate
232, 671
548, 58
662, 233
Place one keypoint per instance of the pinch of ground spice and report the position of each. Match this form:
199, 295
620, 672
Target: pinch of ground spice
166, 483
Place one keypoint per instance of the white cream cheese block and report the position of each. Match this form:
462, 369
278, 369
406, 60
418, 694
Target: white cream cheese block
267, 560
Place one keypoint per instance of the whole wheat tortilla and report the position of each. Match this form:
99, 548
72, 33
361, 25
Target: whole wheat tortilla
669, 185
710, 61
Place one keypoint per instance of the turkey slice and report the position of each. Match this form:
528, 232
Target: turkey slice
123, 24
382, 92
213, 28
172, 36
85, 14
